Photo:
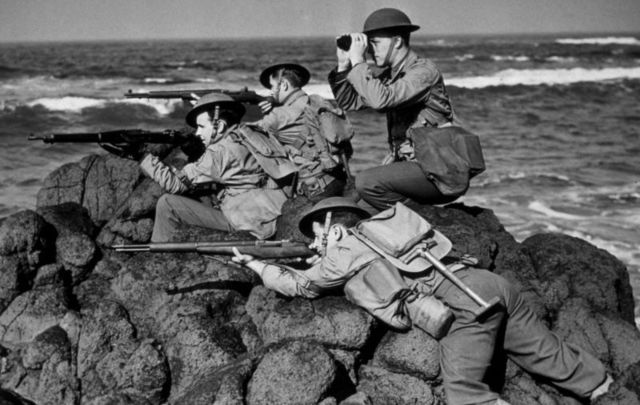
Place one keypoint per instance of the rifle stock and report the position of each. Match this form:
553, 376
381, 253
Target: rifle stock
258, 249
243, 96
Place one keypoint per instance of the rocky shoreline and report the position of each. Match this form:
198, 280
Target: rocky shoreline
81, 324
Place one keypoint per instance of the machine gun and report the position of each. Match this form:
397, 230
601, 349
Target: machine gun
260, 249
120, 136
243, 95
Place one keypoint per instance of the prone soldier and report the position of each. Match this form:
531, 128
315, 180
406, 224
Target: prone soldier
371, 279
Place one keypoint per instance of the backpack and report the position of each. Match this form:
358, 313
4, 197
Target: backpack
449, 156
399, 234
270, 154
329, 132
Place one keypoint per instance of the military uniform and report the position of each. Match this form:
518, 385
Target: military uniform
290, 125
249, 200
468, 348
413, 94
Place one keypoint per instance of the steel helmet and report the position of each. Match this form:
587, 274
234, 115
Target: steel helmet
268, 72
328, 204
209, 101
388, 18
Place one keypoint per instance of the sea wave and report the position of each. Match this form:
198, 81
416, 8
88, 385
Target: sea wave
537, 177
599, 41
77, 104
535, 77
510, 58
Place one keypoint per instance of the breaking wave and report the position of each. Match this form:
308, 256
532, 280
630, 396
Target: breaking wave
77, 104
535, 77
599, 41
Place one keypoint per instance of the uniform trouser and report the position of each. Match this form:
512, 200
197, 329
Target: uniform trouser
383, 186
172, 211
468, 349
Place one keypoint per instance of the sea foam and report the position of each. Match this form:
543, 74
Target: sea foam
535, 77
599, 41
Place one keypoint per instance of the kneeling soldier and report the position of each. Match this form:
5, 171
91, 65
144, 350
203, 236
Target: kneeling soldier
401, 300
249, 200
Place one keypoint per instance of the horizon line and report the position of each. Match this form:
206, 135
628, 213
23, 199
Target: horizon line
285, 37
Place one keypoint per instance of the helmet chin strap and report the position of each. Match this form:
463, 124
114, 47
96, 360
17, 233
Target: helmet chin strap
325, 233
387, 57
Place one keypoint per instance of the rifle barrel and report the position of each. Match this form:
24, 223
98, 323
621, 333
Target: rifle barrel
257, 248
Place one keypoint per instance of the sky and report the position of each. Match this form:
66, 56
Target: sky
69, 20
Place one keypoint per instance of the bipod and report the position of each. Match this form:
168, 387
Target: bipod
486, 308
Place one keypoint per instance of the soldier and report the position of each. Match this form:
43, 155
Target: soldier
467, 345
410, 91
249, 199
295, 122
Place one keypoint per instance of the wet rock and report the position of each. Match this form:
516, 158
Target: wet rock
332, 321
111, 360
224, 386
68, 218
76, 252
100, 183
298, 372
590, 273
51, 341
45, 374
31, 313
577, 324
624, 342
386, 388
120, 398
413, 352
26, 242
133, 223
198, 340
359, 398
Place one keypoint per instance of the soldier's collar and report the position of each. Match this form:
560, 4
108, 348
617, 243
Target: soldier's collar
408, 59
293, 96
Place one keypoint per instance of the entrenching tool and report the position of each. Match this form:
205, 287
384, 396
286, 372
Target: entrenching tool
486, 308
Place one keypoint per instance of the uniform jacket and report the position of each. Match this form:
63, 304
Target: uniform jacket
412, 94
249, 199
370, 281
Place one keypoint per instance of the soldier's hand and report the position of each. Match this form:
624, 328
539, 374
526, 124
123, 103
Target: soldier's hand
240, 258
406, 151
265, 106
315, 259
359, 44
344, 63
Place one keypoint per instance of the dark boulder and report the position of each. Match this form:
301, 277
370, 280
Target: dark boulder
296, 373
100, 183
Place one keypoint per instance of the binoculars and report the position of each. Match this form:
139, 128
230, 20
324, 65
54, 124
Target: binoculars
344, 42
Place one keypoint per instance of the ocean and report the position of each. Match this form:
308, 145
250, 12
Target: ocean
558, 116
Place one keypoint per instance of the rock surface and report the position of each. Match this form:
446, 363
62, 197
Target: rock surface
80, 323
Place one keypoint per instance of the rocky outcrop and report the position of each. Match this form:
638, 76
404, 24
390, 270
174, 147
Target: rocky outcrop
80, 323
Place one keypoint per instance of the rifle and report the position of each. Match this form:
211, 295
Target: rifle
260, 249
120, 136
243, 95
